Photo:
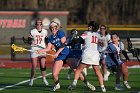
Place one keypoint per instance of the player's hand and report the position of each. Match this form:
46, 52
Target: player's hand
55, 55
39, 51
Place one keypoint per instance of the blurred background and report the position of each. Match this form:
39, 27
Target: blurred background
112, 12
17, 17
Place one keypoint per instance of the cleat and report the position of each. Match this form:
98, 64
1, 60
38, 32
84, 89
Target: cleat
68, 77
103, 89
119, 88
55, 87
71, 87
31, 82
90, 86
127, 85
45, 81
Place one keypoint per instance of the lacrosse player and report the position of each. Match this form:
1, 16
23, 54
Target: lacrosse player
75, 54
90, 55
113, 60
58, 39
36, 38
104, 39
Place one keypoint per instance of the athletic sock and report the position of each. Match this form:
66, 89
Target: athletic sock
56, 82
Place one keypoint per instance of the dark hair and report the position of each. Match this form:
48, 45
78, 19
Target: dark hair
38, 19
95, 26
114, 34
72, 31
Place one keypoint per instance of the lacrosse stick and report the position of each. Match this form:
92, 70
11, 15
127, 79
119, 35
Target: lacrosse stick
69, 40
22, 49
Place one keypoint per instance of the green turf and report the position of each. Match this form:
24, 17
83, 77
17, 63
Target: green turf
13, 76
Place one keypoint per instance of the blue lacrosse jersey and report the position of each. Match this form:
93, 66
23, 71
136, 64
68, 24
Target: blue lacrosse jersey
56, 41
114, 51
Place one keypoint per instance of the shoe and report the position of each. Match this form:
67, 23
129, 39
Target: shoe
127, 85
68, 77
90, 86
55, 87
106, 76
45, 81
103, 89
119, 88
31, 82
71, 87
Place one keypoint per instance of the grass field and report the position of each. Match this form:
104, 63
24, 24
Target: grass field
14, 81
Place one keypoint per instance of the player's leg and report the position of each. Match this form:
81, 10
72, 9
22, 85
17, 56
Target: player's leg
118, 76
100, 77
85, 71
125, 75
33, 70
43, 69
69, 73
105, 71
83, 78
70, 62
77, 74
57, 66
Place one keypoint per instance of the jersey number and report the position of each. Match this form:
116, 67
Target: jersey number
94, 39
38, 39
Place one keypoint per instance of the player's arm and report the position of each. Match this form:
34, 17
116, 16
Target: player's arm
113, 56
48, 48
125, 55
46, 40
75, 41
63, 40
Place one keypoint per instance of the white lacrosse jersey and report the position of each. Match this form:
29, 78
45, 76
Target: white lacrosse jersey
90, 53
103, 42
38, 41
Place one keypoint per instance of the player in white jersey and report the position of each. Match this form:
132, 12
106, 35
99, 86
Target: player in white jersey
90, 55
37, 39
103, 41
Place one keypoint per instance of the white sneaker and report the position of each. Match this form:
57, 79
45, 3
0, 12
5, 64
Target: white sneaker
31, 82
68, 77
119, 88
55, 87
106, 76
90, 86
45, 81
127, 85
103, 89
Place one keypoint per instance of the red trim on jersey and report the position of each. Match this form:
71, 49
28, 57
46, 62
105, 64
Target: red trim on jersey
83, 34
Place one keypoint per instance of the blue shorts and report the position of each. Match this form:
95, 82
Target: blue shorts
61, 57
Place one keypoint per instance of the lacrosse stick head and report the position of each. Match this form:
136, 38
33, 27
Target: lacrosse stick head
17, 48
74, 31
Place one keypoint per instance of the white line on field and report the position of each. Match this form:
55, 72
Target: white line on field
22, 82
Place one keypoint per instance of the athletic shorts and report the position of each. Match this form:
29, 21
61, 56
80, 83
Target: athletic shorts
61, 57
34, 54
91, 57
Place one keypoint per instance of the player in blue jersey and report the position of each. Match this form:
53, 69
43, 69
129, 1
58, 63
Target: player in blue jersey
113, 60
57, 39
75, 53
